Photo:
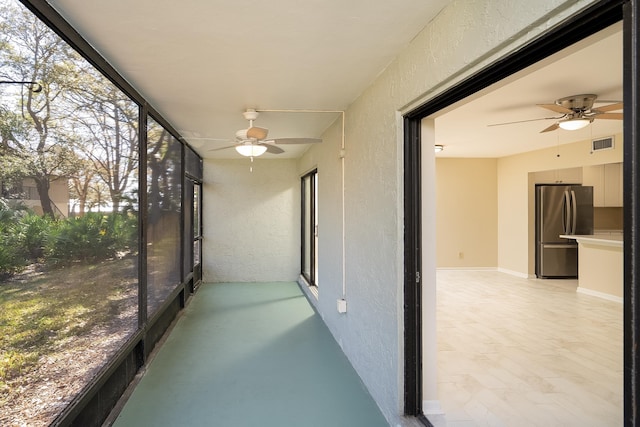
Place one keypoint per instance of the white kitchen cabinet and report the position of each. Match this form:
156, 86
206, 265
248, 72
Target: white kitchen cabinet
606, 181
594, 176
613, 184
559, 176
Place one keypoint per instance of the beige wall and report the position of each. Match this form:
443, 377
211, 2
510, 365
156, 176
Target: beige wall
516, 235
466, 213
58, 193
506, 240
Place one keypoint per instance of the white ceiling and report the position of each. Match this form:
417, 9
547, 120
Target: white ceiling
201, 63
592, 66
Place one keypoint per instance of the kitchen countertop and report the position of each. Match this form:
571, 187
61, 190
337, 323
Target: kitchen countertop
605, 239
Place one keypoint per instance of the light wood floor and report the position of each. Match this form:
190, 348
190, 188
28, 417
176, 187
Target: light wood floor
526, 352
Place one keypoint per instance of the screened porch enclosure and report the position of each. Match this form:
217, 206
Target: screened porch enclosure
88, 289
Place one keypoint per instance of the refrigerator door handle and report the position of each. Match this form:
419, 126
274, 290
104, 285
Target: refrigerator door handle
574, 212
558, 246
566, 210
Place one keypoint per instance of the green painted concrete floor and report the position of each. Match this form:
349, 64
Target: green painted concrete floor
250, 354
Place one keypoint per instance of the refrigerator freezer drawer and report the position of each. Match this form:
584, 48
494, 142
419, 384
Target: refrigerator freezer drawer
558, 260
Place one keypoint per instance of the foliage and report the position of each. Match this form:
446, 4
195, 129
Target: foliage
35, 145
91, 237
79, 127
11, 260
32, 233
107, 134
26, 238
163, 163
76, 274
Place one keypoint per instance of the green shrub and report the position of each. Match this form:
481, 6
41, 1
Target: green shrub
9, 260
26, 237
33, 231
125, 231
78, 239
91, 237
12, 257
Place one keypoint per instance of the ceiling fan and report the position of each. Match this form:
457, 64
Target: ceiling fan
577, 112
253, 142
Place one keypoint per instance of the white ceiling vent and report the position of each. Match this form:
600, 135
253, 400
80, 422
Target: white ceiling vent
602, 144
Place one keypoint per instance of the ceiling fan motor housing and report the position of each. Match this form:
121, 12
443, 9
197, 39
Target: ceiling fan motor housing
250, 114
578, 103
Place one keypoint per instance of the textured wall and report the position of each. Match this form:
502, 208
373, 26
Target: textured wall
251, 221
463, 38
327, 160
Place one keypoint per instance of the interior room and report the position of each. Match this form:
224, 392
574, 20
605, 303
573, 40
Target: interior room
486, 223
289, 258
509, 121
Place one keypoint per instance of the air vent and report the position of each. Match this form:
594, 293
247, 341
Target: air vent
602, 144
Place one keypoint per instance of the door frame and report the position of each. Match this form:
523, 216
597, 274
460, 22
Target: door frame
588, 22
309, 237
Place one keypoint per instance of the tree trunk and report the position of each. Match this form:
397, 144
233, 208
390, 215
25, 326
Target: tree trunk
115, 201
42, 185
82, 204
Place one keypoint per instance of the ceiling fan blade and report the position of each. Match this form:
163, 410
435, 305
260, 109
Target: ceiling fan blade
524, 121
557, 108
222, 148
610, 116
257, 133
550, 128
188, 139
273, 149
297, 140
610, 107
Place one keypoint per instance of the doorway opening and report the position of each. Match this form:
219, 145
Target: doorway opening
419, 277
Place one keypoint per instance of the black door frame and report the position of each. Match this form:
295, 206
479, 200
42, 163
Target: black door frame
576, 28
309, 237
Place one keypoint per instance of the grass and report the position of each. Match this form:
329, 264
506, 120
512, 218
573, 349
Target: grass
39, 311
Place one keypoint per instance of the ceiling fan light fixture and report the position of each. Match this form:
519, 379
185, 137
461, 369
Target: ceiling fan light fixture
574, 124
251, 150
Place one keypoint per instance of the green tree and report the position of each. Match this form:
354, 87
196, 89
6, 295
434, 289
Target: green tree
109, 125
163, 160
36, 147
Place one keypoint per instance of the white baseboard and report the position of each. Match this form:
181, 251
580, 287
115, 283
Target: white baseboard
600, 295
514, 273
432, 407
311, 292
499, 269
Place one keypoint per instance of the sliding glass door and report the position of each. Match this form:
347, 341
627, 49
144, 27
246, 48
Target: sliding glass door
309, 236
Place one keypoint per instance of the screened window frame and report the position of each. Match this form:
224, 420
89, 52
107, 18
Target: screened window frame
93, 405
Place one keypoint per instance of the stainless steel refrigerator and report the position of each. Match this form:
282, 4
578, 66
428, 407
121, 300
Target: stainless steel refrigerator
561, 209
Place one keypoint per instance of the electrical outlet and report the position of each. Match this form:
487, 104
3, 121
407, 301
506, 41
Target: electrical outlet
342, 305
